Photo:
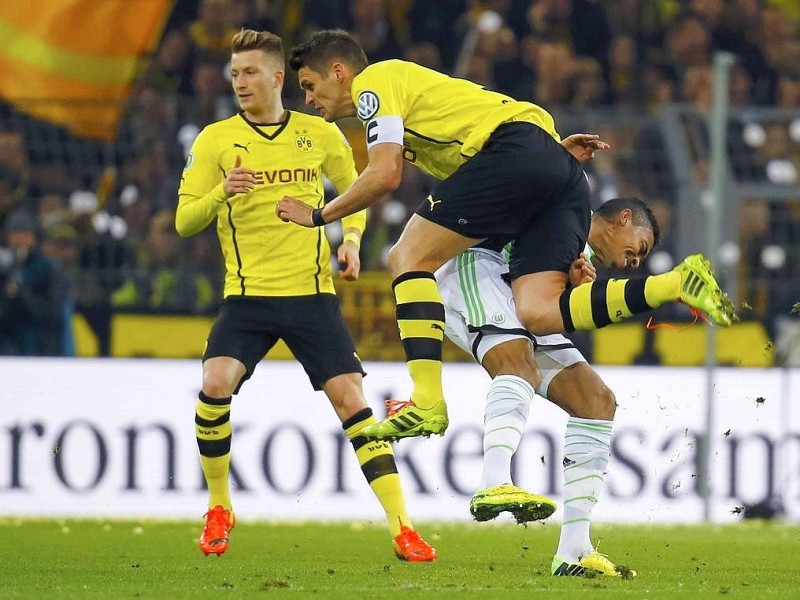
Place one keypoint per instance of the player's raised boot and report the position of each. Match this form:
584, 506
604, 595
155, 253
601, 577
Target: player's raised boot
411, 547
406, 419
488, 503
219, 522
701, 291
592, 564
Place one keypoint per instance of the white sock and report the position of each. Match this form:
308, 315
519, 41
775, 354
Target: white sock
508, 404
587, 450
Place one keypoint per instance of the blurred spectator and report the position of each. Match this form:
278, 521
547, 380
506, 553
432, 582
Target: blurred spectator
623, 71
586, 86
52, 210
373, 30
16, 190
426, 54
211, 32
165, 278
583, 24
553, 63
212, 98
61, 245
35, 301
442, 23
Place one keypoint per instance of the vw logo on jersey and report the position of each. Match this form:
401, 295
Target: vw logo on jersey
368, 105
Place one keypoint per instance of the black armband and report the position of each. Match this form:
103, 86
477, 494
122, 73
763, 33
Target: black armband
317, 219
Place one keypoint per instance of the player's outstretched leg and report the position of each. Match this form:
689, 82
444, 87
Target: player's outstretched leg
593, 563
701, 291
219, 522
487, 504
408, 545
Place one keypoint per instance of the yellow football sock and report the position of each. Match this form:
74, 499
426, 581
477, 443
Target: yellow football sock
596, 304
213, 431
420, 318
377, 463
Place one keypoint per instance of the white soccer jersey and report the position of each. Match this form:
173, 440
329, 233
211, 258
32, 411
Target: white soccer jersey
480, 313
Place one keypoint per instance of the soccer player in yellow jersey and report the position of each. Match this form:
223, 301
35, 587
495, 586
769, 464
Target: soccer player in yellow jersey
504, 173
279, 282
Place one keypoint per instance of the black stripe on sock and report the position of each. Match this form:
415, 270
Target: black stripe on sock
599, 302
422, 349
433, 311
412, 275
214, 448
212, 423
566, 316
214, 401
362, 415
378, 467
634, 295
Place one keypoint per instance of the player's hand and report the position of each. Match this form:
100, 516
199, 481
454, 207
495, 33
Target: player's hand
582, 271
583, 146
240, 180
294, 210
349, 261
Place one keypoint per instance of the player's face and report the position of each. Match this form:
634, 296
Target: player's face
327, 93
257, 81
626, 246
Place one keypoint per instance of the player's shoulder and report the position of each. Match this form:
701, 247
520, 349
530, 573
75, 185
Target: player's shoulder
223, 127
392, 67
312, 123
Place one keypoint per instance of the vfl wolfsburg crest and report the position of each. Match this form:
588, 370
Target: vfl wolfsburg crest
304, 143
498, 318
368, 105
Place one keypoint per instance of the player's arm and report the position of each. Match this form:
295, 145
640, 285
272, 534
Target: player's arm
381, 176
340, 168
195, 213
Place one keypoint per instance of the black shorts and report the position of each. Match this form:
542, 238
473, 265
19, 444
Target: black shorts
313, 328
522, 185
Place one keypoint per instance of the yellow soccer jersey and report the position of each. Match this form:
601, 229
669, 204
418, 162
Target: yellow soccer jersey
443, 120
263, 255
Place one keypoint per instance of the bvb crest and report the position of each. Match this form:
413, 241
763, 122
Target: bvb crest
304, 143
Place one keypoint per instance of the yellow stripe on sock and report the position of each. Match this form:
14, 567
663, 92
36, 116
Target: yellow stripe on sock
615, 300
423, 328
421, 289
580, 307
217, 432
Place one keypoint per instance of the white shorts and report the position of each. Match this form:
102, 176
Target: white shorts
480, 314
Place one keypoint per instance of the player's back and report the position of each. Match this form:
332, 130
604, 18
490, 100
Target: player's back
445, 119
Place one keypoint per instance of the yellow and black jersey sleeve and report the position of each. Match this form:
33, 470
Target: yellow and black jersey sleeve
445, 120
263, 255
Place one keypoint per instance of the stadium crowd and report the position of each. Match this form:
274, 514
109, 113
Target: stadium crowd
102, 214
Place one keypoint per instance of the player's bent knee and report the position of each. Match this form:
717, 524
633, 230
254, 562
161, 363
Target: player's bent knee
218, 384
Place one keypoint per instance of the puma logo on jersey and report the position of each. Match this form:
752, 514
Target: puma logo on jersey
245, 147
432, 201
437, 326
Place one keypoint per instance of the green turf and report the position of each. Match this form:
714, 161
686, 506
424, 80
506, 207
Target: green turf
154, 559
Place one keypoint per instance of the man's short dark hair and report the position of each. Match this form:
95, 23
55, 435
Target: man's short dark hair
326, 47
642, 214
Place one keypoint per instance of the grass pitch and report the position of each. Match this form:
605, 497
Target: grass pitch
160, 559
